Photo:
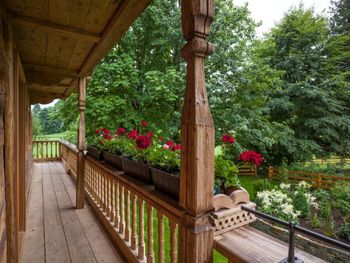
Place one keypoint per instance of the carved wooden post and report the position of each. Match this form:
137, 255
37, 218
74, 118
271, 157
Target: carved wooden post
81, 145
197, 136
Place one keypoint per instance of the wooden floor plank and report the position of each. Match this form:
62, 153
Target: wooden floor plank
56, 232
33, 250
55, 240
78, 245
102, 248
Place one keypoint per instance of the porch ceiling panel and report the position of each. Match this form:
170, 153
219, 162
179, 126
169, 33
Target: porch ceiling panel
58, 40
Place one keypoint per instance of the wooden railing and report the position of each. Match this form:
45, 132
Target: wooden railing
317, 180
143, 224
46, 150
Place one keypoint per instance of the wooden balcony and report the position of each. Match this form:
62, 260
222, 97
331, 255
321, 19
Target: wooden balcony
56, 231
125, 221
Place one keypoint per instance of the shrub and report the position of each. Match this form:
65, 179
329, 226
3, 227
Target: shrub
344, 230
262, 185
226, 172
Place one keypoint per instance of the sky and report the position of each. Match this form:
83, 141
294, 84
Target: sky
271, 11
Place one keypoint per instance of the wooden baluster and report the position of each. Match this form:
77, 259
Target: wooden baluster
104, 192
112, 197
116, 205
141, 250
134, 219
127, 215
51, 144
41, 151
121, 208
47, 150
100, 188
160, 237
150, 252
108, 199
173, 243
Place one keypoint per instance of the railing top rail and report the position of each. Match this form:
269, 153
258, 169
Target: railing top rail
38, 141
298, 228
70, 146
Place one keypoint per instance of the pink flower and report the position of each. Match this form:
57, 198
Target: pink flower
133, 134
165, 146
228, 139
143, 141
144, 123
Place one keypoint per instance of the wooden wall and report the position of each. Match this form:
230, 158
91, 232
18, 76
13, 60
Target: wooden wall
15, 145
3, 73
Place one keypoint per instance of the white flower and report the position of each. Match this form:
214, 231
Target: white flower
284, 186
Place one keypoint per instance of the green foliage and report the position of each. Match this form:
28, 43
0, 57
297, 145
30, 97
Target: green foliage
262, 185
120, 145
226, 171
165, 159
315, 222
344, 230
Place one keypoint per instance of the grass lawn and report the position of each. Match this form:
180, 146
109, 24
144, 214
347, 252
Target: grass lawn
55, 136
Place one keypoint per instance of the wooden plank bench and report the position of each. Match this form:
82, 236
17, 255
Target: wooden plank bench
246, 244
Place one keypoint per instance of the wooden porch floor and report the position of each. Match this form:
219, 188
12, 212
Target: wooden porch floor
56, 232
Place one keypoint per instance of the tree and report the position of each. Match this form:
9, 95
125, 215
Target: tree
340, 19
308, 100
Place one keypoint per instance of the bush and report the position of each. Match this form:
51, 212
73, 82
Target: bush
262, 185
344, 230
226, 172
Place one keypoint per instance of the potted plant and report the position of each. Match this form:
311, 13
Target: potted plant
226, 175
96, 143
165, 168
113, 149
136, 164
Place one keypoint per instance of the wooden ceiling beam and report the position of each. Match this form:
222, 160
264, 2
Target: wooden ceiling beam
55, 28
48, 69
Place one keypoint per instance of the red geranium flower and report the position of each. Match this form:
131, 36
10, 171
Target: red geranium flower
133, 134
144, 123
251, 157
143, 142
150, 134
228, 139
161, 138
97, 131
177, 147
121, 130
169, 143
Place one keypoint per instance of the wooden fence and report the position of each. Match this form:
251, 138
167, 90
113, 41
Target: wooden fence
317, 180
46, 150
247, 169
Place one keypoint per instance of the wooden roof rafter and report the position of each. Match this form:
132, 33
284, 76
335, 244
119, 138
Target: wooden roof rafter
55, 28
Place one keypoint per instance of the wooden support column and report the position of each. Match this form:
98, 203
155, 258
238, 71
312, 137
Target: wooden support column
197, 136
81, 144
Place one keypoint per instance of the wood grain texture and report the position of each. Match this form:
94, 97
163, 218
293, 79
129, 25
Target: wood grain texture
197, 136
81, 144
56, 231
247, 244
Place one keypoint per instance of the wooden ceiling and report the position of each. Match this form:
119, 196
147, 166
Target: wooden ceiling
58, 40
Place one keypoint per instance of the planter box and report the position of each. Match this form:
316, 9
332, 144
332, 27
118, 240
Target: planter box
166, 183
138, 170
95, 152
113, 159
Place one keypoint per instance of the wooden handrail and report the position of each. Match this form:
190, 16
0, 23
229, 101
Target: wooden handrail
123, 204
